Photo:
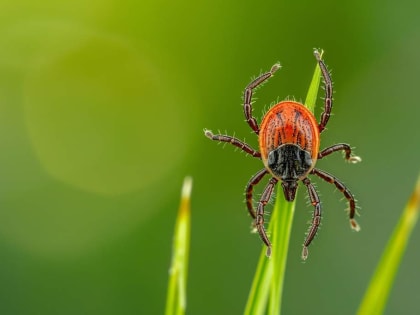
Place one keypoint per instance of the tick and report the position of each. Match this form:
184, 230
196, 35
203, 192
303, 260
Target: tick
289, 140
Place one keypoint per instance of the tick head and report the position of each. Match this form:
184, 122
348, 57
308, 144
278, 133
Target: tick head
289, 163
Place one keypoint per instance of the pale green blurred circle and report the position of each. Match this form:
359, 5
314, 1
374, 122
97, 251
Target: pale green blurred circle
98, 114
101, 116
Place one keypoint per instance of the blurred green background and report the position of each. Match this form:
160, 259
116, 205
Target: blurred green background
102, 110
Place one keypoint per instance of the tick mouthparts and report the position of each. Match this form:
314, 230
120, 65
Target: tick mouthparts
289, 189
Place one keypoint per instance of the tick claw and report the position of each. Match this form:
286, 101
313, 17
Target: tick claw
268, 252
208, 133
304, 253
275, 67
354, 225
318, 54
355, 159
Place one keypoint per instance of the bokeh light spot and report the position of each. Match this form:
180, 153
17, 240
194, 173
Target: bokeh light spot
98, 115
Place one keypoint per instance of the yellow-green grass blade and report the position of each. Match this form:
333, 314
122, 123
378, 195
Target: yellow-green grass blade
377, 293
176, 300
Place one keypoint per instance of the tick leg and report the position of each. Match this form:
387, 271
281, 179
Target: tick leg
316, 218
346, 192
340, 147
328, 102
249, 188
252, 122
234, 141
259, 220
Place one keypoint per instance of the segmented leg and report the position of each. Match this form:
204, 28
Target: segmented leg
252, 122
338, 147
346, 192
259, 220
249, 188
234, 141
325, 116
316, 218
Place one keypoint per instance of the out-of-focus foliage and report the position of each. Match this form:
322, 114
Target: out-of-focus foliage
102, 107
376, 296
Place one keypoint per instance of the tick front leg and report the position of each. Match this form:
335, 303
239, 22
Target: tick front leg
346, 192
328, 102
259, 220
316, 218
340, 147
249, 189
234, 141
252, 122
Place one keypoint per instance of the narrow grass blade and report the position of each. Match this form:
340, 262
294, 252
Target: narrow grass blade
260, 289
176, 300
312, 95
380, 285
267, 286
282, 228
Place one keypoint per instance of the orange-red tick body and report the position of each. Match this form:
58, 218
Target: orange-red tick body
289, 123
289, 144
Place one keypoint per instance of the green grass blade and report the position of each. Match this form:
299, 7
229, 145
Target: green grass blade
267, 286
282, 228
176, 300
379, 288
260, 289
312, 95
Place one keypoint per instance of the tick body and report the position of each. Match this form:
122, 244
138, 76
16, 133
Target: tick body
289, 143
289, 139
